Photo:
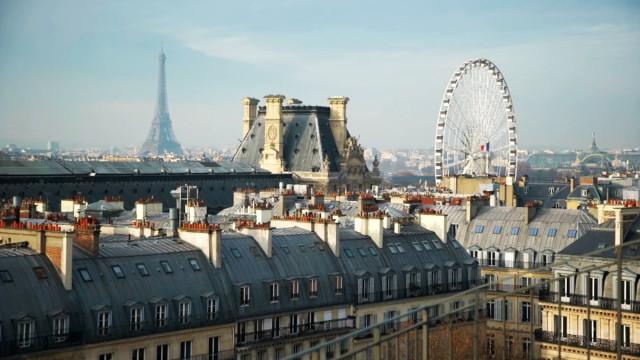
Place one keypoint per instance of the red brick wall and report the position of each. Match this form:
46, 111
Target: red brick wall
54, 253
87, 240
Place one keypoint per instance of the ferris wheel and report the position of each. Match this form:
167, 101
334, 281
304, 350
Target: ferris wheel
476, 127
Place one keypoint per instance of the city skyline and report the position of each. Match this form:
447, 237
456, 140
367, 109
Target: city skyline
88, 71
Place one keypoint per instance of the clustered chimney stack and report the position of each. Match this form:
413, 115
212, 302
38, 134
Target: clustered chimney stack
338, 120
249, 115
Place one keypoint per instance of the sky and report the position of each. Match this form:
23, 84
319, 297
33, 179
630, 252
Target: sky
84, 72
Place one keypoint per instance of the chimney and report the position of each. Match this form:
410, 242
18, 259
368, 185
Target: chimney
529, 212
329, 232
264, 213
572, 183
249, 114
472, 207
338, 120
58, 246
436, 222
272, 159
207, 238
397, 227
261, 234
87, 235
371, 227
619, 227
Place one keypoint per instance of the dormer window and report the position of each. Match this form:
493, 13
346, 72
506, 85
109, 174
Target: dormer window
339, 285
493, 257
162, 311
313, 287
104, 322
25, 333
584, 193
295, 289
274, 291
245, 295
212, 308
136, 318
60, 328
184, 311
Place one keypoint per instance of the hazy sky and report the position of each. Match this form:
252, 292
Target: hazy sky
84, 72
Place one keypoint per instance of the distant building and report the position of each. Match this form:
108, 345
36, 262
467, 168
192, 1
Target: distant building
53, 146
161, 140
312, 142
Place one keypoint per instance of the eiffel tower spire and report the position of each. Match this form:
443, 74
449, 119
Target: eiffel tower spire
161, 138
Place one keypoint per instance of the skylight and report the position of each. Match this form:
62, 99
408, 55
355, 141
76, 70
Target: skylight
166, 267
84, 274
117, 271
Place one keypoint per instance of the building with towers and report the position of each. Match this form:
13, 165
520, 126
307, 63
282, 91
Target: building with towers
312, 142
161, 140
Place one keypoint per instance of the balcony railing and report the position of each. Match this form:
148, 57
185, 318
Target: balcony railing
221, 355
583, 341
415, 291
584, 300
299, 330
501, 263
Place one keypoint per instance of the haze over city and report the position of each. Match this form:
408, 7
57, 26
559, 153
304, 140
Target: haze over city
84, 73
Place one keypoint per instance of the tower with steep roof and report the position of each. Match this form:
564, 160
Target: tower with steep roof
161, 139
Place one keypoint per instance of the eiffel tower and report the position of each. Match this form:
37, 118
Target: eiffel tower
161, 139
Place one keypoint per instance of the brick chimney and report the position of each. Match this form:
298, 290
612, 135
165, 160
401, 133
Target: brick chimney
87, 235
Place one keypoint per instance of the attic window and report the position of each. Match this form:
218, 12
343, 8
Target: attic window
117, 271
261, 150
244, 150
285, 249
426, 245
373, 251
348, 252
416, 245
362, 252
84, 274
5, 276
142, 269
296, 151
497, 229
552, 232
259, 124
253, 135
194, 264
236, 253
400, 248
478, 229
393, 249
601, 245
315, 151
533, 232
166, 267
313, 136
40, 272
310, 124
515, 230
572, 233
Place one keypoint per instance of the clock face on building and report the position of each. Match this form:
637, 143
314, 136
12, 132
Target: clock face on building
272, 132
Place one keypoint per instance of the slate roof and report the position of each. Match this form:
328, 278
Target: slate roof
545, 220
146, 167
541, 192
603, 236
307, 139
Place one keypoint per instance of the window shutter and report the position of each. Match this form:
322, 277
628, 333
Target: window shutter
384, 284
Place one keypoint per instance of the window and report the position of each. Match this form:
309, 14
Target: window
474, 253
400, 248
279, 353
313, 287
214, 347
184, 312
492, 280
533, 231
5, 276
388, 285
416, 245
365, 288
509, 346
137, 354
261, 355
497, 229
105, 356
245, 295
117, 271
626, 293
392, 249
426, 245
104, 322
478, 229
212, 308
362, 252
492, 258
142, 269
293, 323
161, 315
339, 288
136, 317
565, 286
295, 289
274, 289
591, 330
525, 311
41, 274
236, 253
626, 336
547, 259
572, 234
194, 264
60, 327
515, 230
552, 232
373, 251
593, 289
275, 327
491, 309
25, 333
166, 267
84, 274
560, 324
526, 347
348, 252
162, 352
185, 350
491, 345
344, 347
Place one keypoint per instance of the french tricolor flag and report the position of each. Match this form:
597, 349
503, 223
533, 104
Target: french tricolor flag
484, 147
